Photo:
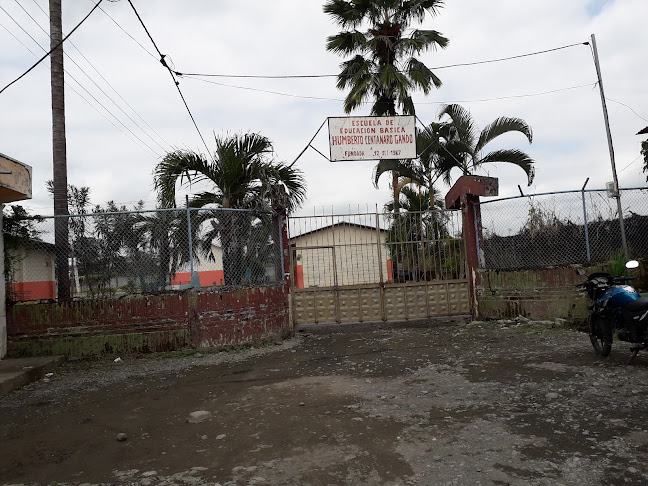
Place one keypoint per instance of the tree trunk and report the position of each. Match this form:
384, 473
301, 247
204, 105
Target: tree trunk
59, 154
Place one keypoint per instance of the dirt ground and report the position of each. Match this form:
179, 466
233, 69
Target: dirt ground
438, 403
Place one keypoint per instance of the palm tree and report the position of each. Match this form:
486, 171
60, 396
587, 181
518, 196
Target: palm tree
383, 67
59, 157
244, 176
419, 243
421, 172
459, 143
243, 173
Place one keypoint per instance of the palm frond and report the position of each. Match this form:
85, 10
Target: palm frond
178, 166
500, 126
422, 40
512, 156
346, 42
346, 13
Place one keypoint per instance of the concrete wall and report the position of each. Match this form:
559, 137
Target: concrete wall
191, 319
545, 293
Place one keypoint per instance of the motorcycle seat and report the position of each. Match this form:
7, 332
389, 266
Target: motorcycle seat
638, 305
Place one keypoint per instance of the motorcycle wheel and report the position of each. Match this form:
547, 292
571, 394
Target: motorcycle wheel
600, 333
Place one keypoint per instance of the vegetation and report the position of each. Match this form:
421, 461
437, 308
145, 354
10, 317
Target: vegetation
644, 152
457, 143
384, 68
242, 174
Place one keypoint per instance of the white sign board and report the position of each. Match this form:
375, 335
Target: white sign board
372, 138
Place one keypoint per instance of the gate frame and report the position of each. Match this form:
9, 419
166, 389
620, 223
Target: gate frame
381, 286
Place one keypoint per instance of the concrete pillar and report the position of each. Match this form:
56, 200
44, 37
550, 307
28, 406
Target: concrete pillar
464, 195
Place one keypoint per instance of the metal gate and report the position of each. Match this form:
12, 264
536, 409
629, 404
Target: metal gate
368, 267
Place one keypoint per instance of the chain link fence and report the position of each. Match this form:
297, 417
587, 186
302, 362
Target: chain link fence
114, 254
562, 228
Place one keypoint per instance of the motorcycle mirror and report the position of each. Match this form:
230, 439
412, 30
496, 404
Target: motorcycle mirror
632, 264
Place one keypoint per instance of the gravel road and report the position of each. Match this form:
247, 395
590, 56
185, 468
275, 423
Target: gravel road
434, 403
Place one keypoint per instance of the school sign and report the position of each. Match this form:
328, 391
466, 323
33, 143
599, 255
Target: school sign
372, 138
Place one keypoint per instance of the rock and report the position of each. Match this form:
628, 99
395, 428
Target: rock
121, 437
551, 395
199, 416
148, 474
220, 436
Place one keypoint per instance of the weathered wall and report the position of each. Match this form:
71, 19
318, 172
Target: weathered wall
198, 319
546, 293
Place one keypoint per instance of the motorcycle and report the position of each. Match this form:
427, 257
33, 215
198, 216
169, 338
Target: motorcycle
616, 306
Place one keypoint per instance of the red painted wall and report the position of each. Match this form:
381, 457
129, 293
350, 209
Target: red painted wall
210, 319
45, 290
207, 278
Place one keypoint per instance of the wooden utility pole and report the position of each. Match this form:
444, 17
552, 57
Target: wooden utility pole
59, 153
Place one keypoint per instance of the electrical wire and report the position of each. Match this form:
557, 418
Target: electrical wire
79, 94
264, 90
164, 149
126, 32
527, 95
306, 76
638, 157
175, 81
83, 87
51, 50
627, 106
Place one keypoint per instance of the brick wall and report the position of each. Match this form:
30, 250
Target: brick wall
191, 319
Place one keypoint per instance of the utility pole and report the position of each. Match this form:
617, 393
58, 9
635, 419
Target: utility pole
611, 148
59, 153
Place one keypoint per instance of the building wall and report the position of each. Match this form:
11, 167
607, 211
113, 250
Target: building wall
191, 319
34, 275
210, 271
356, 259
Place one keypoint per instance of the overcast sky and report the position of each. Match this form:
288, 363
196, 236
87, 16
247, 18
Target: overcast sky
555, 92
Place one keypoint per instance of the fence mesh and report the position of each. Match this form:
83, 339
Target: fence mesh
113, 254
577, 227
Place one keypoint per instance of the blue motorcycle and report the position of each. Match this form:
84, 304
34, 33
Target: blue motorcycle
616, 306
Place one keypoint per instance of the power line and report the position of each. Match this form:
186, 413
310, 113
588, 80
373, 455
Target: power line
76, 92
417, 103
126, 32
177, 84
590, 85
278, 93
627, 106
638, 157
104, 79
51, 50
307, 76
83, 87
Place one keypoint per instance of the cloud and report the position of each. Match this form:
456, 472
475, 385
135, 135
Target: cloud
288, 37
